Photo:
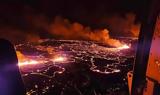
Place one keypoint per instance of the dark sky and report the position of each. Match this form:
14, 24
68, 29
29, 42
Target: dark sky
35, 17
84, 11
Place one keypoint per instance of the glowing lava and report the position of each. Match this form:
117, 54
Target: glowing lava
59, 59
124, 47
24, 60
28, 62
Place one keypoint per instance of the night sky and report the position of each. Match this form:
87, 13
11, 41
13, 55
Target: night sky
93, 13
84, 11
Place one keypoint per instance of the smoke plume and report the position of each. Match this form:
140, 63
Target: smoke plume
124, 25
60, 28
16, 35
64, 29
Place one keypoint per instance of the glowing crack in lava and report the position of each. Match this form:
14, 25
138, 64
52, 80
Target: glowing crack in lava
25, 61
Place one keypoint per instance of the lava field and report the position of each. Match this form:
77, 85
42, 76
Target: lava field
73, 67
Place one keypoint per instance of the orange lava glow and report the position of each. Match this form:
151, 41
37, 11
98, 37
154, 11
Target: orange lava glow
28, 61
124, 47
59, 59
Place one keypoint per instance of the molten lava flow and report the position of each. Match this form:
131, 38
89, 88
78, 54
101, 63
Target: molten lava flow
28, 62
24, 60
59, 59
124, 47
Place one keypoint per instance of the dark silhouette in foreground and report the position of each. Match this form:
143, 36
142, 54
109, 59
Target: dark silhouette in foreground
10, 78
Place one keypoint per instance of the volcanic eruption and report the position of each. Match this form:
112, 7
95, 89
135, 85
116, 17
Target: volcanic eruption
62, 55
